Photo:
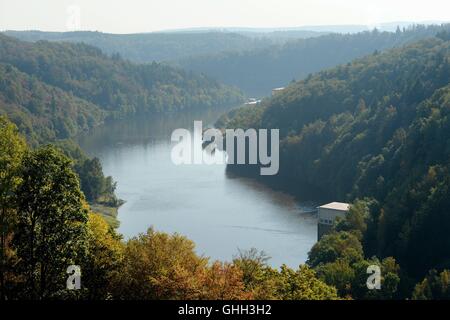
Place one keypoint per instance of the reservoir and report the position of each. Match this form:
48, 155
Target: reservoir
222, 214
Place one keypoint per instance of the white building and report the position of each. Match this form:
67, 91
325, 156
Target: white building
277, 90
252, 101
327, 214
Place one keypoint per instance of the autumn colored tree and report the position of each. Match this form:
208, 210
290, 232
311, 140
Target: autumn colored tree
104, 259
223, 281
159, 266
258, 277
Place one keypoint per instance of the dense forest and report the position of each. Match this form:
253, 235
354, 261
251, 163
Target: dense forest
175, 45
157, 46
374, 132
258, 71
115, 85
46, 226
254, 61
44, 112
55, 91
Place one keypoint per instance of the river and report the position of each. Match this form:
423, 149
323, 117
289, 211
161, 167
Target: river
221, 214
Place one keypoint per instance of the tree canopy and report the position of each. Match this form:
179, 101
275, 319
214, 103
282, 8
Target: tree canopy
377, 127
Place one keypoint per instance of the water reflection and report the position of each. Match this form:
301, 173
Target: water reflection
220, 213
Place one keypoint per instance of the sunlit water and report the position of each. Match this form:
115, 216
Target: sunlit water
221, 214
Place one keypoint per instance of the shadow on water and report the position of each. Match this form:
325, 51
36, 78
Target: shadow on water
220, 212
141, 130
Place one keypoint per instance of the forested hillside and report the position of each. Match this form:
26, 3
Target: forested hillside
157, 46
376, 128
44, 112
258, 71
114, 84
46, 226
54, 91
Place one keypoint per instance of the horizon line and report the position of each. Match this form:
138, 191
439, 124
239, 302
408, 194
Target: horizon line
252, 28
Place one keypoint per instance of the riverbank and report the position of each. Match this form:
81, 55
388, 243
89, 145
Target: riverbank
220, 213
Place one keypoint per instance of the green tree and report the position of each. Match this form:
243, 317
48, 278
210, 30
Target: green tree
302, 284
390, 279
355, 219
50, 233
12, 148
337, 245
339, 274
256, 273
92, 179
435, 286
266, 283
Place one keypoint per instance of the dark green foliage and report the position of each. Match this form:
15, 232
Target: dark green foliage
49, 234
91, 175
43, 112
377, 127
96, 187
340, 261
334, 246
435, 286
115, 85
356, 219
54, 91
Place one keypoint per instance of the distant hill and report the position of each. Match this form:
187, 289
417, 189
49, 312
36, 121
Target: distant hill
376, 127
306, 31
253, 59
44, 112
55, 90
148, 47
258, 71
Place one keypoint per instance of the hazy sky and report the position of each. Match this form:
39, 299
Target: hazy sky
151, 15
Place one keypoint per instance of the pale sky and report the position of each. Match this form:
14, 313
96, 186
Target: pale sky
152, 15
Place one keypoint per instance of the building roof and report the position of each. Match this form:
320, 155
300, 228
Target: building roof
341, 206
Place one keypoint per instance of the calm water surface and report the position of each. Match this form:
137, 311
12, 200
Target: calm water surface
220, 213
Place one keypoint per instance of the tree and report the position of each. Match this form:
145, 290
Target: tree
355, 219
390, 279
337, 245
50, 234
339, 274
302, 284
223, 281
159, 266
104, 259
92, 179
266, 283
257, 275
435, 286
12, 148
